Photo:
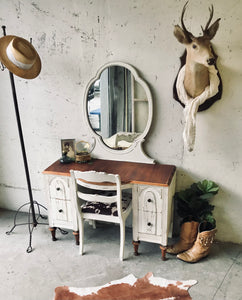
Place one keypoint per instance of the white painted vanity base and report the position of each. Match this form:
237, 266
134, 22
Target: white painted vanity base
152, 212
61, 210
153, 187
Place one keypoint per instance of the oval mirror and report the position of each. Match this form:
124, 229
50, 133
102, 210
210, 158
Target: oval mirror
118, 106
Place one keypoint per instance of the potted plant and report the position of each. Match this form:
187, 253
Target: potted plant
198, 223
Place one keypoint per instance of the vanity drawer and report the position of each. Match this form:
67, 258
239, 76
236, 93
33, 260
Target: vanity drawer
147, 222
59, 188
61, 210
150, 199
150, 223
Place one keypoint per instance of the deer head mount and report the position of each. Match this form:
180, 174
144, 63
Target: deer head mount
198, 84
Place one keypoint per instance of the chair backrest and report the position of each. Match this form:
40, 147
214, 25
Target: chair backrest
95, 186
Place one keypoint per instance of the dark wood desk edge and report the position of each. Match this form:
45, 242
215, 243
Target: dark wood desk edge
70, 166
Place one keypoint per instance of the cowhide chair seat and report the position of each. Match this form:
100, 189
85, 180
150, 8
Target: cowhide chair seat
104, 208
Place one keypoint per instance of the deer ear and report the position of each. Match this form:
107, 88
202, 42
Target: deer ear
180, 35
211, 31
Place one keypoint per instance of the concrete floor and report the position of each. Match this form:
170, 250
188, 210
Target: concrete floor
34, 276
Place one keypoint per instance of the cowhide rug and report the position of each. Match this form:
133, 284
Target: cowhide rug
130, 288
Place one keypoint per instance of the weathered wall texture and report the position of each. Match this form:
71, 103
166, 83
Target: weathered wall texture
74, 38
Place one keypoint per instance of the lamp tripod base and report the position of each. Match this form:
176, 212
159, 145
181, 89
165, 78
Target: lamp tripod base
31, 224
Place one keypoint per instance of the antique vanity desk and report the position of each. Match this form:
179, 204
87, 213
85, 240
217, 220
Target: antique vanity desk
125, 107
153, 187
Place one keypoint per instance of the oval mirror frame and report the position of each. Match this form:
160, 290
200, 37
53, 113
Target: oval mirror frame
134, 152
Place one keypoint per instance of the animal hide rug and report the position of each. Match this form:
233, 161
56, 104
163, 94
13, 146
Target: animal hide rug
130, 288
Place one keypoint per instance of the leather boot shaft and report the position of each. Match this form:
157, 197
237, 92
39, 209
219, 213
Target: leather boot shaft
188, 236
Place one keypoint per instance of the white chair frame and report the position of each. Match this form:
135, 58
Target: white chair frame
102, 182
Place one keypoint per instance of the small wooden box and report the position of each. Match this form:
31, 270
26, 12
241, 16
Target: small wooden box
83, 158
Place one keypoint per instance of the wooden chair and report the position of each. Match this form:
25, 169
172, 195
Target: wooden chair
98, 196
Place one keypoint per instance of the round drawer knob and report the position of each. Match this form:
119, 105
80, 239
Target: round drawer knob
149, 200
60, 210
149, 224
58, 188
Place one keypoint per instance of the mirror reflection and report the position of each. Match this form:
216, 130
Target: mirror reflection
117, 107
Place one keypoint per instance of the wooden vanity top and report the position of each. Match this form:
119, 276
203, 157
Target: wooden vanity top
129, 172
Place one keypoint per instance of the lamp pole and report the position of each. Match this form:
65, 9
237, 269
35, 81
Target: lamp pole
22, 142
32, 223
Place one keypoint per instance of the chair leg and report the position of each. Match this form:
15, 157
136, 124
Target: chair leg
122, 240
81, 235
93, 224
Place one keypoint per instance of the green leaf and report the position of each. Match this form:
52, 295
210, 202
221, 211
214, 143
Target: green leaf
206, 196
207, 186
214, 190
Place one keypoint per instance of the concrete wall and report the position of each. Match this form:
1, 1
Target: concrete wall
74, 38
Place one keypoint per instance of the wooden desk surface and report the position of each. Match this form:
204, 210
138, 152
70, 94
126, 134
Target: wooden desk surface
129, 172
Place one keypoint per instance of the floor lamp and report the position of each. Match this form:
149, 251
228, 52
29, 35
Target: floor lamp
21, 59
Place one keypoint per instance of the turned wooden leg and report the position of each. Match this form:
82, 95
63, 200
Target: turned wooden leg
76, 235
53, 231
163, 252
136, 247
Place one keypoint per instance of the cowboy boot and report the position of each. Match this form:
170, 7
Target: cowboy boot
202, 244
188, 236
